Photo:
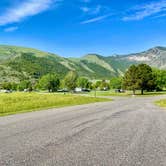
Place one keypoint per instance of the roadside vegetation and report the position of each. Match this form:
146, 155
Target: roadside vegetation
138, 78
26, 102
161, 103
50, 90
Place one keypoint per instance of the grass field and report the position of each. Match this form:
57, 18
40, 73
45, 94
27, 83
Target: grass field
161, 103
127, 93
26, 102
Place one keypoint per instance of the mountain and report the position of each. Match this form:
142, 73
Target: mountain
155, 57
17, 63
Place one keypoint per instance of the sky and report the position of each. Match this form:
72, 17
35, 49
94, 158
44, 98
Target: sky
73, 28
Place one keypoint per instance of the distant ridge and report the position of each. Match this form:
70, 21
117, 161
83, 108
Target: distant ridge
18, 63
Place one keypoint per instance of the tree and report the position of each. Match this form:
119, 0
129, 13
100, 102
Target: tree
139, 77
104, 85
116, 83
83, 82
146, 79
70, 80
90, 85
50, 82
97, 84
160, 78
25, 84
7, 85
14, 86
130, 79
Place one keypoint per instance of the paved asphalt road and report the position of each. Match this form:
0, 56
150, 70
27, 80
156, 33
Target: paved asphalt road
125, 132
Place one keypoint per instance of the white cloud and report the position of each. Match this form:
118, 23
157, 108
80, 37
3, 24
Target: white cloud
10, 29
25, 9
146, 10
96, 19
92, 10
85, 9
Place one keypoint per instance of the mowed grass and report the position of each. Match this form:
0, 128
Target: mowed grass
161, 103
26, 102
107, 93
127, 93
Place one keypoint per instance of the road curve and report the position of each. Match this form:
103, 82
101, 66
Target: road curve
125, 132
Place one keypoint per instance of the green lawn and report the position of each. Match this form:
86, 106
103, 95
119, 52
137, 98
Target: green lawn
26, 102
108, 93
127, 93
161, 103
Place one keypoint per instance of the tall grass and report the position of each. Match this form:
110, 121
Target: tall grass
26, 102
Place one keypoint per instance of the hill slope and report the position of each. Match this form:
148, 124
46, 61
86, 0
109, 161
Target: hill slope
18, 63
155, 57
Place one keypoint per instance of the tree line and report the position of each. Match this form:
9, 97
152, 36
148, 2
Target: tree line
137, 77
53, 83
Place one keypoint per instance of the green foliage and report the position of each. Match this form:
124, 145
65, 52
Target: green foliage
116, 83
7, 74
146, 79
25, 84
101, 85
139, 77
50, 82
36, 67
83, 82
160, 78
32, 64
97, 84
98, 71
120, 64
90, 85
130, 79
7, 52
14, 86
7, 86
19, 63
70, 80
104, 85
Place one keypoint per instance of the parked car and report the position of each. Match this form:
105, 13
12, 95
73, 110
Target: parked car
63, 90
85, 90
79, 90
8, 91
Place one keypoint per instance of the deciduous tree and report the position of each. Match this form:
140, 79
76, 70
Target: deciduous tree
50, 82
70, 80
131, 78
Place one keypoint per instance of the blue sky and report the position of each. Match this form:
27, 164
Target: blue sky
72, 28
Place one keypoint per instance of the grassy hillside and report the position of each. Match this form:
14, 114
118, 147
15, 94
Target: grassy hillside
36, 66
23, 62
13, 51
18, 63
